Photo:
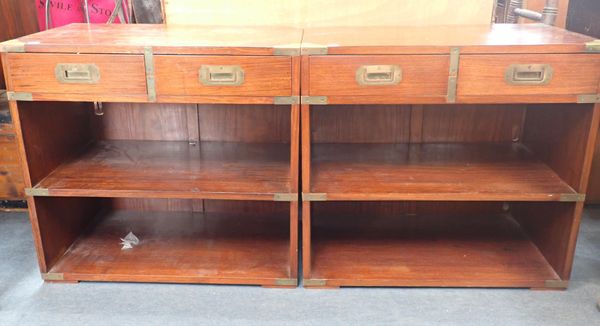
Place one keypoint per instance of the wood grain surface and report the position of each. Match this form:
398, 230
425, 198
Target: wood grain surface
363, 249
422, 76
263, 76
435, 39
182, 248
120, 75
478, 172
133, 38
160, 169
574, 74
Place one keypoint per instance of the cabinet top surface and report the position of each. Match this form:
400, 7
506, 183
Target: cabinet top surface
180, 39
495, 38
177, 39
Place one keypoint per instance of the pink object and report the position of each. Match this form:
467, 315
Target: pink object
63, 12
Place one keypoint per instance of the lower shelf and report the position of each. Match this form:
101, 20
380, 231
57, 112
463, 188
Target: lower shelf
452, 251
182, 247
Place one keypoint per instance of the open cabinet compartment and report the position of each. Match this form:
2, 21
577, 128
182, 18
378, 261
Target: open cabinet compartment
444, 195
447, 244
209, 190
181, 241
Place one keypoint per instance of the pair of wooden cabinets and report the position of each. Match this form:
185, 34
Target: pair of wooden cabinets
447, 156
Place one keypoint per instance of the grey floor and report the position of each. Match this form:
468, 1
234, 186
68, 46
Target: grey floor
26, 300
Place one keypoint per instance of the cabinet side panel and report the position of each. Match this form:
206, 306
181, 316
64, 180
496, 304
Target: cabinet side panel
11, 176
561, 135
553, 227
53, 132
60, 221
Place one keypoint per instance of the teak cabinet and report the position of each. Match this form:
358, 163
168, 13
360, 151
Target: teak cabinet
446, 156
17, 18
187, 137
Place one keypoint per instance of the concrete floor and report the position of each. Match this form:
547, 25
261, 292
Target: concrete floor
26, 300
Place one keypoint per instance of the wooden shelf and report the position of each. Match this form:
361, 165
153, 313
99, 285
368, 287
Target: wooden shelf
181, 247
165, 169
482, 251
449, 171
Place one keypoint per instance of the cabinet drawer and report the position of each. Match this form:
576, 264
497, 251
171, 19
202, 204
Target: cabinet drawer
528, 74
387, 76
79, 76
188, 75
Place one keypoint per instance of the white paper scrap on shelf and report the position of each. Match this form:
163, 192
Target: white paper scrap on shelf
129, 241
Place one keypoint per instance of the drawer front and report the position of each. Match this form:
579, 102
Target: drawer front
528, 74
81, 74
390, 76
188, 75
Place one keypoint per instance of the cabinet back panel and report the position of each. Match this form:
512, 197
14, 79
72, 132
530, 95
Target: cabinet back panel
416, 124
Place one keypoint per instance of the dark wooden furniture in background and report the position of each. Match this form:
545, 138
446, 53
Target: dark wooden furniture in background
583, 18
194, 149
445, 156
17, 18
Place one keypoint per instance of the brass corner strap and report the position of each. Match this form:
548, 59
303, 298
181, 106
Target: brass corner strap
290, 50
453, 75
314, 197
286, 197
314, 49
37, 192
314, 100
286, 282
12, 46
3, 96
150, 79
588, 98
572, 197
286, 100
19, 96
593, 46
314, 282
53, 276
556, 284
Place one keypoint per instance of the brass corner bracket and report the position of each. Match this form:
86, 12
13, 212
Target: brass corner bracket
150, 78
286, 100
572, 197
290, 50
315, 282
593, 46
314, 49
556, 284
588, 98
314, 197
314, 100
285, 197
286, 282
453, 75
37, 192
53, 276
19, 96
12, 46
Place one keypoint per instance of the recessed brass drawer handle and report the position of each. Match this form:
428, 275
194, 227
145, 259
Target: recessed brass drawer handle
379, 75
77, 73
533, 74
221, 75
